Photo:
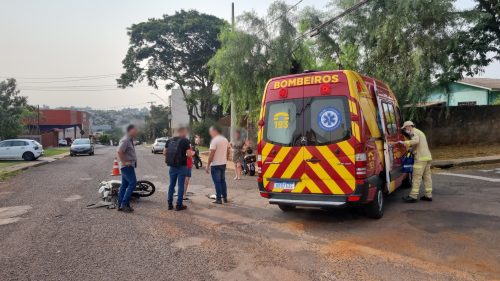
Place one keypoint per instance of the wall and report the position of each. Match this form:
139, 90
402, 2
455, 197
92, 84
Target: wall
460, 125
460, 93
178, 107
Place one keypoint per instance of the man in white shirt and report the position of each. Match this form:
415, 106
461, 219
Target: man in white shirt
219, 151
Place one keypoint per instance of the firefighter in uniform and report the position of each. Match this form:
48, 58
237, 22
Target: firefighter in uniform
422, 165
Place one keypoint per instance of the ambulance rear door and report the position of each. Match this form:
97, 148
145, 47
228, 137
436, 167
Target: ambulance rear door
282, 154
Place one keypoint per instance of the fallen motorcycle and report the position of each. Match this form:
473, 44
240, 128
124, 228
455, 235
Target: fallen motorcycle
109, 189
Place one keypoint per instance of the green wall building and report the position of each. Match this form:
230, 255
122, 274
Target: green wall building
469, 91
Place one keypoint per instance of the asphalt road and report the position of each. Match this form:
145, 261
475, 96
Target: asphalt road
46, 233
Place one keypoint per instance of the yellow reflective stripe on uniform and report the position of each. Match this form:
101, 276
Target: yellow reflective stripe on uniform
425, 158
417, 166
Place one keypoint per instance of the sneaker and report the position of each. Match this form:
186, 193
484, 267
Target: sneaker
127, 209
224, 200
180, 208
408, 199
170, 207
217, 202
425, 198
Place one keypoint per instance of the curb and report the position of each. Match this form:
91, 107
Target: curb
446, 164
36, 164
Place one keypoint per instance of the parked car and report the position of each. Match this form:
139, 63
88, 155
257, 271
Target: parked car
159, 145
25, 149
81, 146
63, 142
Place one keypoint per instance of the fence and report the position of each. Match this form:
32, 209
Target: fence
460, 125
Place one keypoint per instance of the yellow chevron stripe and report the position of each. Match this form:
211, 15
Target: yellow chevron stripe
323, 175
347, 149
354, 109
294, 164
307, 182
355, 131
271, 169
266, 150
340, 169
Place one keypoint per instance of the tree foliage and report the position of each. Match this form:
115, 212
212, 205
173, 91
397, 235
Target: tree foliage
259, 48
12, 108
175, 49
157, 124
411, 45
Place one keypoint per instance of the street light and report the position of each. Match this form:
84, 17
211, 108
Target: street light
160, 98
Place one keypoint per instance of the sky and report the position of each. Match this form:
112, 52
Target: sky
84, 42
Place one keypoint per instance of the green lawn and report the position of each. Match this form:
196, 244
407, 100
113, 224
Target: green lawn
55, 151
202, 148
6, 175
7, 163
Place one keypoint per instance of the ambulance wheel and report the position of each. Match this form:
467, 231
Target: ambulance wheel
287, 208
375, 209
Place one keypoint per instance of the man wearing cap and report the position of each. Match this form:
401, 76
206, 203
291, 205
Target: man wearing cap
422, 165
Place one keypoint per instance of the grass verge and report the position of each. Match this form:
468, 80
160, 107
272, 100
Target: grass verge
55, 151
6, 175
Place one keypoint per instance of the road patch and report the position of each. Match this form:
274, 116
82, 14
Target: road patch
12, 214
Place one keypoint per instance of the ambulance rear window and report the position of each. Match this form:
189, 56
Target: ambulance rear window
327, 120
284, 122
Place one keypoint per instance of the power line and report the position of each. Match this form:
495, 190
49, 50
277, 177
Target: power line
63, 77
315, 30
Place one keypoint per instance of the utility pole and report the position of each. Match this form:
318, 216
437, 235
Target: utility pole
38, 119
233, 103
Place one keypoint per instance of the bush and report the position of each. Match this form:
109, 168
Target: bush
201, 129
104, 139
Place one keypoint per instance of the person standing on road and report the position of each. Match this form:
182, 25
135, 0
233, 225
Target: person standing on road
189, 170
237, 147
128, 160
217, 161
422, 165
177, 151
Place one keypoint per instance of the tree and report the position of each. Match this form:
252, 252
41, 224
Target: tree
12, 108
257, 50
411, 45
176, 49
158, 122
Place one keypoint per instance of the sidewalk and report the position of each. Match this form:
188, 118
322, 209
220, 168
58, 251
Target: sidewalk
24, 165
442, 164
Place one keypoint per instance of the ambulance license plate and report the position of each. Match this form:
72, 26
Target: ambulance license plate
286, 185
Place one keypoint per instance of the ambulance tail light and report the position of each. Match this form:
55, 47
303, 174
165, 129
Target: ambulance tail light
283, 93
360, 161
264, 194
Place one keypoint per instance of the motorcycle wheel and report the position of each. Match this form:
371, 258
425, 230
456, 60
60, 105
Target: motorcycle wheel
144, 189
252, 170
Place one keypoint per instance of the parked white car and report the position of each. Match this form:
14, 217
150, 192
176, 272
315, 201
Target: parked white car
63, 142
159, 145
28, 150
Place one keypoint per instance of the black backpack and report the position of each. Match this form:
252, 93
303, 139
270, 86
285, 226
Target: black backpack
173, 156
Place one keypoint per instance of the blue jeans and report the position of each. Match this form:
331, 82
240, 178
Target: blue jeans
219, 178
129, 181
177, 174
